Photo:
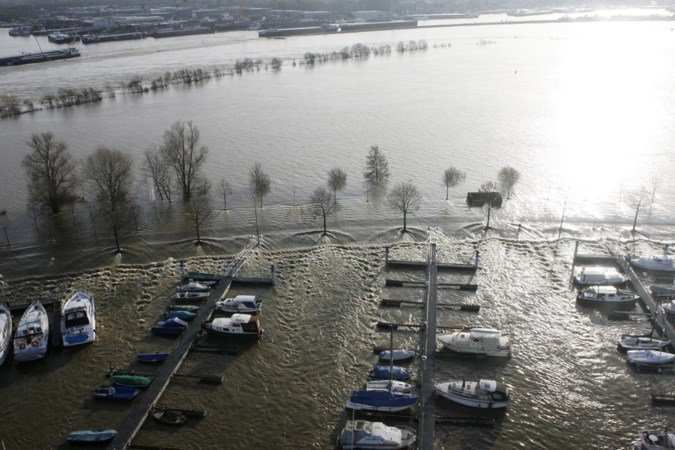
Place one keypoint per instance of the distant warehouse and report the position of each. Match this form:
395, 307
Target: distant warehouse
483, 198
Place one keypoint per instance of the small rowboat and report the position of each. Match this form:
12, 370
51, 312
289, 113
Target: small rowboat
116, 393
169, 417
184, 315
393, 372
190, 308
396, 355
92, 435
154, 357
135, 381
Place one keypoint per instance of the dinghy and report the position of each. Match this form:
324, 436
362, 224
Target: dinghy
116, 393
169, 417
153, 357
92, 435
649, 358
169, 327
396, 355
134, 381
388, 385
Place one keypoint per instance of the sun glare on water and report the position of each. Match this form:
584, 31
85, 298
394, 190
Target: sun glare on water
607, 110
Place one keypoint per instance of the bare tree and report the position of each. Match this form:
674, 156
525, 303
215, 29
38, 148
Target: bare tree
182, 151
199, 210
451, 178
636, 201
337, 180
160, 171
488, 187
508, 177
656, 183
225, 190
323, 203
51, 172
376, 172
110, 174
406, 198
4, 224
261, 184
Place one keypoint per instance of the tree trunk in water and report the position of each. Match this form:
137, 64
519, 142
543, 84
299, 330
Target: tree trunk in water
446, 192
198, 238
405, 214
637, 210
488, 218
324, 224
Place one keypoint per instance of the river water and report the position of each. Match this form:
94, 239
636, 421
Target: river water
583, 110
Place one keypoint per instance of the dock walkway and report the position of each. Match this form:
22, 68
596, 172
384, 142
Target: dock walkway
161, 380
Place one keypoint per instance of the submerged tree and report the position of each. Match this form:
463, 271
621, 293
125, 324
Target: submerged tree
156, 166
225, 190
323, 203
260, 182
508, 177
376, 172
182, 151
199, 210
451, 178
488, 187
51, 173
110, 173
406, 198
337, 180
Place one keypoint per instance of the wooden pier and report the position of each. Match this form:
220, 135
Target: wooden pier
163, 376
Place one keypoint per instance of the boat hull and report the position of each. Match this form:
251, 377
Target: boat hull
472, 397
32, 334
477, 342
122, 393
5, 332
154, 357
380, 401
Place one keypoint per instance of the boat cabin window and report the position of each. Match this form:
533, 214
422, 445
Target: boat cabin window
76, 318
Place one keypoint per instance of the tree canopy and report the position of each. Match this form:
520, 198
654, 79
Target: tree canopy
451, 178
337, 180
324, 203
51, 172
182, 151
260, 182
508, 177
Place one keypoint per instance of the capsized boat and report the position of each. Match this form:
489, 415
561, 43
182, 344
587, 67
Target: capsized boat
5, 332
396, 355
641, 343
387, 401
92, 435
239, 325
193, 286
477, 394
169, 327
116, 393
598, 275
78, 320
388, 385
477, 341
656, 440
364, 434
607, 296
654, 358
392, 372
245, 304
134, 381
32, 334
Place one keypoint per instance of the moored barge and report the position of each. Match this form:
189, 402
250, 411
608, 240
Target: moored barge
29, 58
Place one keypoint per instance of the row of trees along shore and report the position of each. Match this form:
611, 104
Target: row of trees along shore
104, 182
10, 105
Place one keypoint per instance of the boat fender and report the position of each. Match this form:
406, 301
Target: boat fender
34, 343
22, 345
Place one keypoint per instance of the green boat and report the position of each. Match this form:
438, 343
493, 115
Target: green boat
137, 381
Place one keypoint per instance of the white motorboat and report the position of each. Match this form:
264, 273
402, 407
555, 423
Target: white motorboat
189, 296
396, 355
245, 304
477, 341
652, 358
599, 276
5, 332
239, 325
78, 320
669, 308
656, 440
32, 334
607, 296
659, 264
388, 385
477, 394
641, 343
364, 434
193, 286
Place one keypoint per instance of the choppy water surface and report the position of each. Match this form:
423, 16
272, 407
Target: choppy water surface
584, 111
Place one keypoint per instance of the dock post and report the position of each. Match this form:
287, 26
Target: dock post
182, 268
477, 259
274, 276
386, 256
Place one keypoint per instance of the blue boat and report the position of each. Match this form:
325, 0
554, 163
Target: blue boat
153, 357
170, 327
185, 315
392, 372
381, 401
92, 435
116, 393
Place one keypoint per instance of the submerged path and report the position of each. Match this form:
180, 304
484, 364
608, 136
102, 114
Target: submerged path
161, 379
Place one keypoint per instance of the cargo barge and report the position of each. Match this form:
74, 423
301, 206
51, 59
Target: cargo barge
339, 28
30, 58
98, 38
